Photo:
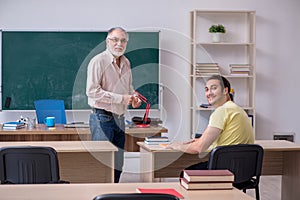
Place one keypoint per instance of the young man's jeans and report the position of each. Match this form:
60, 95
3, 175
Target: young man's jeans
110, 128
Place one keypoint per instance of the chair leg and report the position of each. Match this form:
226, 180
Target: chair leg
244, 190
257, 192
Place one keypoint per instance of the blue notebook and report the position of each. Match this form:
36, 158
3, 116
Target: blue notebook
14, 124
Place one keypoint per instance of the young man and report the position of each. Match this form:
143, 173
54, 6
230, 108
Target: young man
228, 124
109, 90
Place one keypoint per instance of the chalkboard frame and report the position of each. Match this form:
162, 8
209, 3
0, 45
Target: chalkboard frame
100, 46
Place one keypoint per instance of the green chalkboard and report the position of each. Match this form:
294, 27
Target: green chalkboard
52, 65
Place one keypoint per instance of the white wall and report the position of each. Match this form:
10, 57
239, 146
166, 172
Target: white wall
277, 49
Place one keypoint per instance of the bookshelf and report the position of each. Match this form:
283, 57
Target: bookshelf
235, 56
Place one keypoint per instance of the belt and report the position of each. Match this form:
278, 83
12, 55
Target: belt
102, 111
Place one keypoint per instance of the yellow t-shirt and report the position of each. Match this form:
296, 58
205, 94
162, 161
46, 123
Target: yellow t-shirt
234, 123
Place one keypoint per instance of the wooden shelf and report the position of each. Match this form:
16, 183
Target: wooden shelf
238, 46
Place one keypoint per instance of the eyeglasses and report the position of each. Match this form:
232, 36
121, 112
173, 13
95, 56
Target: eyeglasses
116, 40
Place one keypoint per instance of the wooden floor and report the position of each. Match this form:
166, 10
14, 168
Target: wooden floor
270, 186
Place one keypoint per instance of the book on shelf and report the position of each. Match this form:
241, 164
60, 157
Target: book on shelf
240, 65
207, 65
205, 185
171, 191
239, 73
207, 69
207, 73
157, 138
205, 105
220, 175
240, 69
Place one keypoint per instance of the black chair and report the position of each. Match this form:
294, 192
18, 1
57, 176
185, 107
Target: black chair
29, 165
135, 196
243, 160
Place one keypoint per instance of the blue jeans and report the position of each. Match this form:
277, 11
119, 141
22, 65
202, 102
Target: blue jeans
108, 128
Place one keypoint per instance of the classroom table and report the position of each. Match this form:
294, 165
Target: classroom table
281, 157
89, 191
44, 133
134, 135
60, 133
80, 161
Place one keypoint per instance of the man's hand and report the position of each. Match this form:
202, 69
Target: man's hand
174, 145
191, 141
136, 102
127, 99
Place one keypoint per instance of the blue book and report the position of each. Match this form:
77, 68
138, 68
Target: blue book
12, 127
13, 124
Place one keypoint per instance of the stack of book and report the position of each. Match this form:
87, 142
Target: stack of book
157, 140
207, 69
13, 125
207, 179
240, 69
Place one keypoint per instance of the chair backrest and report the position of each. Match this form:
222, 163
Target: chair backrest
243, 160
28, 165
50, 107
135, 196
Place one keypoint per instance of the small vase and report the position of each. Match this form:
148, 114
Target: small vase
217, 37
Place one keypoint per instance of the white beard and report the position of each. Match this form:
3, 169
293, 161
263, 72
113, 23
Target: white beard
115, 53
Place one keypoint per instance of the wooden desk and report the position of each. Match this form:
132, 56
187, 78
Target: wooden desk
42, 133
89, 191
80, 161
280, 158
134, 135
60, 133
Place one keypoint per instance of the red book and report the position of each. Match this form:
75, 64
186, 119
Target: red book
160, 191
208, 175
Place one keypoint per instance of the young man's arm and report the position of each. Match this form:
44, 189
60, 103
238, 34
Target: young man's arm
198, 145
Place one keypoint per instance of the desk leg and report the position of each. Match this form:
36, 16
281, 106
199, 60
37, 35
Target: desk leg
291, 176
146, 165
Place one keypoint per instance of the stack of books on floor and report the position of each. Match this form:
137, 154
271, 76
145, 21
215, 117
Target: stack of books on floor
240, 69
13, 125
207, 179
157, 140
207, 69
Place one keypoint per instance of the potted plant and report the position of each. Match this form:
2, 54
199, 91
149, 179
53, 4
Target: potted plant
217, 31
